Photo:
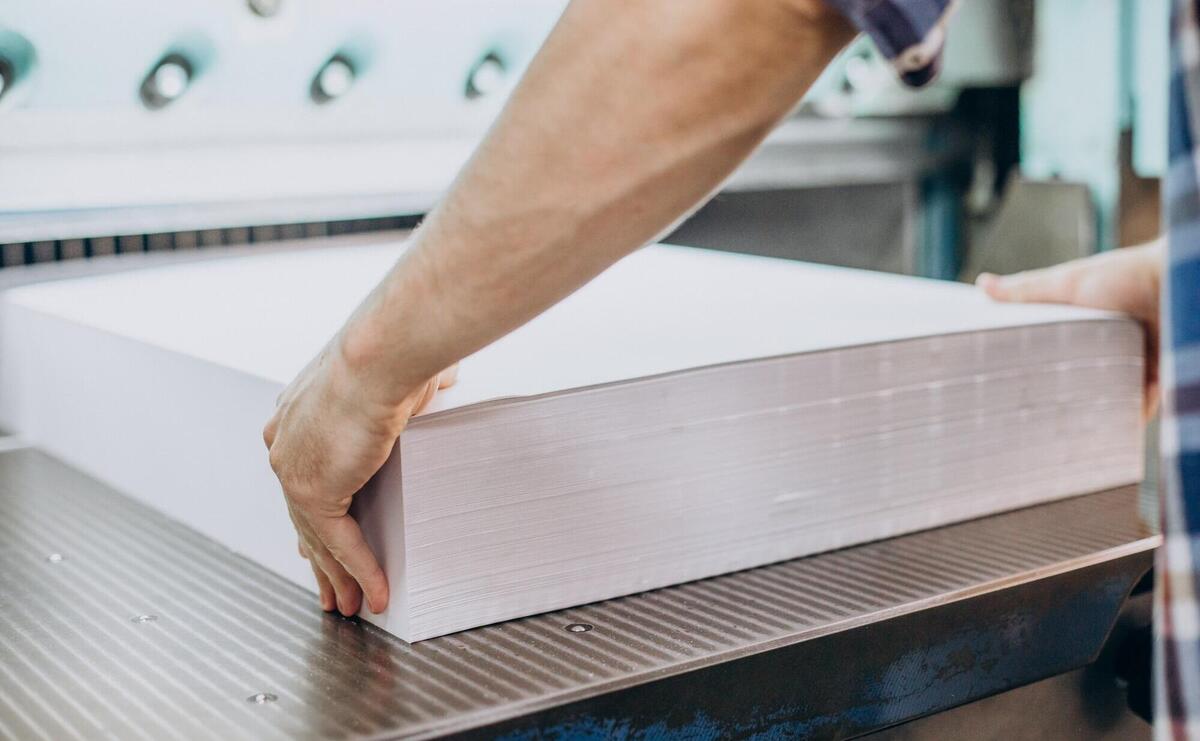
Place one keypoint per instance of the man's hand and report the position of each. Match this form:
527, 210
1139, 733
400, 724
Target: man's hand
622, 123
1125, 280
326, 440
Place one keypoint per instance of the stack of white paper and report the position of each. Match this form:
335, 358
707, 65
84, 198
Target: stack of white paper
687, 414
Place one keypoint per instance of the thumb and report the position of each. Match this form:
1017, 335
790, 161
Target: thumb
270, 429
1047, 286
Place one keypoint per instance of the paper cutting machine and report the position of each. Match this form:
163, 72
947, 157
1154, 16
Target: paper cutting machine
212, 128
113, 617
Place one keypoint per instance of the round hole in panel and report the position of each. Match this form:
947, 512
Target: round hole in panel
166, 82
264, 8
486, 77
333, 80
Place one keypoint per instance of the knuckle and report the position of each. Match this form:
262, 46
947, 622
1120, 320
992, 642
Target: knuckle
276, 458
337, 550
340, 550
301, 496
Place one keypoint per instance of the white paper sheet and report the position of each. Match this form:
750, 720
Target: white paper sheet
659, 310
158, 381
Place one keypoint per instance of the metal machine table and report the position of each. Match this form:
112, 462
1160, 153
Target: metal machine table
118, 622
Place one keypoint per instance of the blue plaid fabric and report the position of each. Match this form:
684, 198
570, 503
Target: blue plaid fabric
910, 33
1177, 613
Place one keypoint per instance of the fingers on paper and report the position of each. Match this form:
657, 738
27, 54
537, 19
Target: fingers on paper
346, 591
345, 588
328, 596
346, 544
1052, 285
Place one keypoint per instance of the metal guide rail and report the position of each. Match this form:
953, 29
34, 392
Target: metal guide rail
118, 622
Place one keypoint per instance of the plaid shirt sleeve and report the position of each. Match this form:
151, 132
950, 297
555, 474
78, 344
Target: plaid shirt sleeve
1177, 571
909, 33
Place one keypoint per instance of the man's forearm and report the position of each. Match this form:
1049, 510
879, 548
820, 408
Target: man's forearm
629, 116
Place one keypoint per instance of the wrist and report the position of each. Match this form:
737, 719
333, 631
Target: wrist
389, 347
361, 369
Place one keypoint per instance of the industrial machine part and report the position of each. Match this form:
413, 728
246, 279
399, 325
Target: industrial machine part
166, 82
219, 117
281, 115
114, 619
7, 75
112, 615
280, 123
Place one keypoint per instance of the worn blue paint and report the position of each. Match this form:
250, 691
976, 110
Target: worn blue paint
979, 659
938, 239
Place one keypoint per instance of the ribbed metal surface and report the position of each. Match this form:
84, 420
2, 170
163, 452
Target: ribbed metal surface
99, 262
216, 631
14, 254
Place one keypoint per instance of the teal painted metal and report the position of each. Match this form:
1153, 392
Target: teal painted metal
938, 241
940, 223
1073, 105
1150, 59
1100, 69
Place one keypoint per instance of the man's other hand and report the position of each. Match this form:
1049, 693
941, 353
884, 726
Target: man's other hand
326, 439
1126, 280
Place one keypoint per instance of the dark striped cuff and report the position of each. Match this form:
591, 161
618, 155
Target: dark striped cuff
909, 33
